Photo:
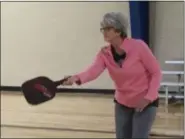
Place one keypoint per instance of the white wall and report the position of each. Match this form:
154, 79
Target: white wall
49, 38
52, 39
167, 34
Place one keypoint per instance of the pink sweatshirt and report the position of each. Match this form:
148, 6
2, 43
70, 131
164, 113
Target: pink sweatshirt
138, 78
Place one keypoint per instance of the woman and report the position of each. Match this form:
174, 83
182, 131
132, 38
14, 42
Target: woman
135, 72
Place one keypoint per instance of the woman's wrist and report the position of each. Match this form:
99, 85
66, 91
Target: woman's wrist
77, 79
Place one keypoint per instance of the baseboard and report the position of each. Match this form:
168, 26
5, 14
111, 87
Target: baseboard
61, 90
74, 90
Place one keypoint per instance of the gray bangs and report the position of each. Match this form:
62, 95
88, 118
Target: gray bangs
116, 20
109, 22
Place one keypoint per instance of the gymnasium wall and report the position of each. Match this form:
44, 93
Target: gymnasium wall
167, 34
58, 39
52, 39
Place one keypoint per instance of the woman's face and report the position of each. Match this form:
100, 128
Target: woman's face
109, 34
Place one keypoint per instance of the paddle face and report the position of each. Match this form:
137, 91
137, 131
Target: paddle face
38, 90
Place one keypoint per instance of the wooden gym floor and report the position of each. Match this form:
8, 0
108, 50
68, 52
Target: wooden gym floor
75, 115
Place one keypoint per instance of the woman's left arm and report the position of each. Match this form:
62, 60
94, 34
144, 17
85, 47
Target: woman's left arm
152, 65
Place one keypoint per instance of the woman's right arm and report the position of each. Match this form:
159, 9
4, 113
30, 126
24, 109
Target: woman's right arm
93, 71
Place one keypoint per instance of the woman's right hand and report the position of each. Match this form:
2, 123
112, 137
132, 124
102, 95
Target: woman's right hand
70, 80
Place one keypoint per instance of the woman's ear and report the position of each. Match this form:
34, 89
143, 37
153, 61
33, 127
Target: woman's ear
118, 32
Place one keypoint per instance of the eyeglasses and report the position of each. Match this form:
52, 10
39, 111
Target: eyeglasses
106, 29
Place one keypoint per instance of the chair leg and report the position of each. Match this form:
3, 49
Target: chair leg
166, 98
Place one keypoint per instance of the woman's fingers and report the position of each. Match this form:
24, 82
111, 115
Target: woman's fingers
68, 81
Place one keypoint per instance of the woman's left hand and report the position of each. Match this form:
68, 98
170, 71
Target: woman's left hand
142, 104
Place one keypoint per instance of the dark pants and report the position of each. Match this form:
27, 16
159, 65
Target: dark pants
131, 124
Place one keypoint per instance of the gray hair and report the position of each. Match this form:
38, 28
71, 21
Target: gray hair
116, 20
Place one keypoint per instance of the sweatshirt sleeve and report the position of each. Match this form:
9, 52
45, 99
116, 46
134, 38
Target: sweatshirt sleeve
93, 71
152, 66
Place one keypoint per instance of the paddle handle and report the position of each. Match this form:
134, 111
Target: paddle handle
60, 82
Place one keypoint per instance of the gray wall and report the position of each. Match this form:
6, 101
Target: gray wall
167, 34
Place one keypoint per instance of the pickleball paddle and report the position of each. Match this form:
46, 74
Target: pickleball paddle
40, 89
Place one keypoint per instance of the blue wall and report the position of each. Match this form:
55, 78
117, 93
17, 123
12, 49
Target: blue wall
139, 19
